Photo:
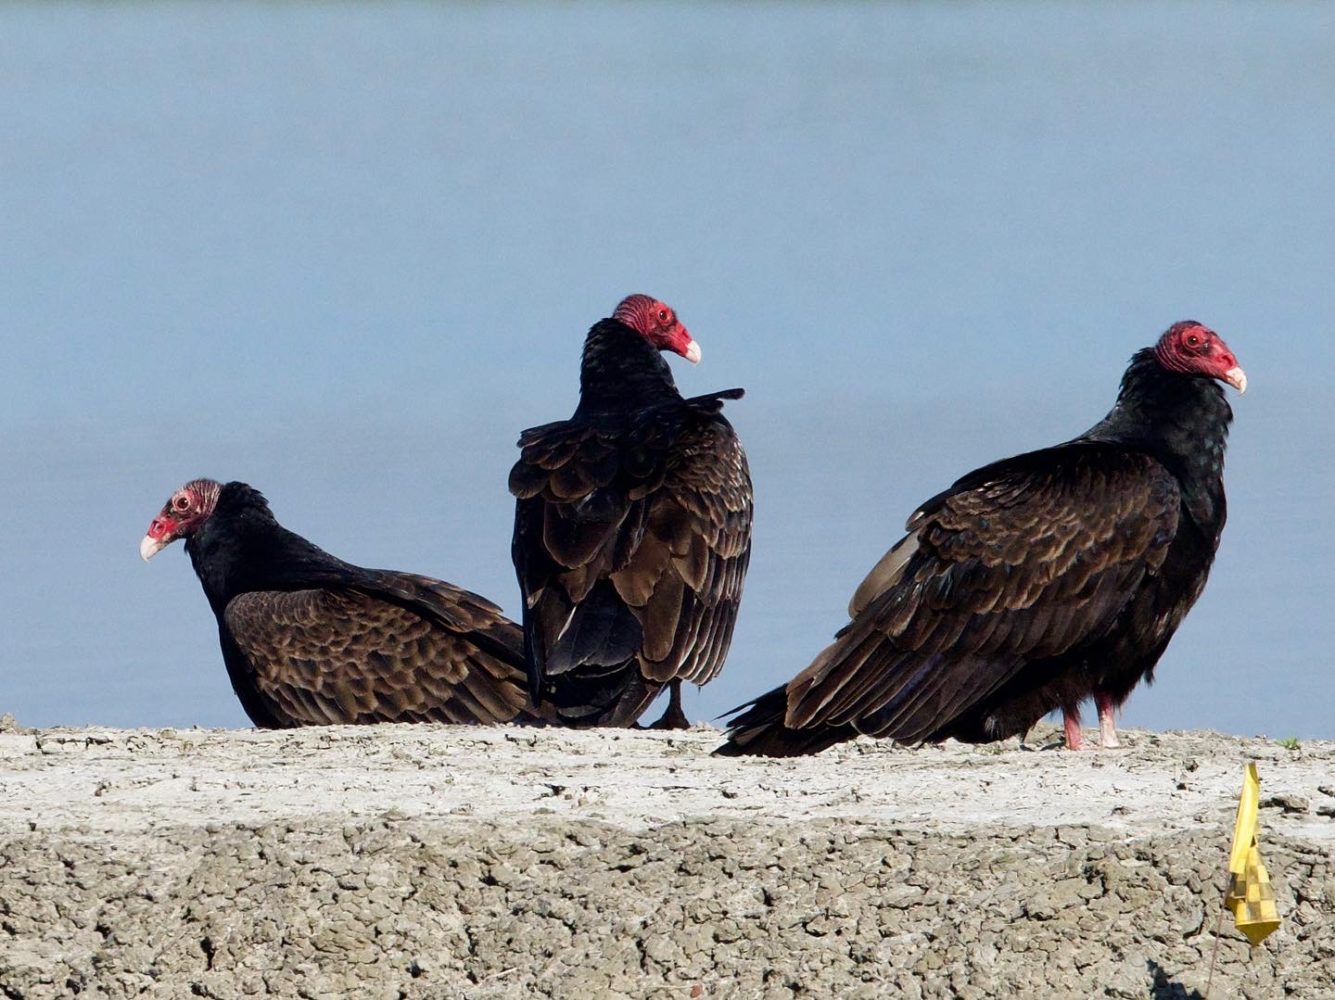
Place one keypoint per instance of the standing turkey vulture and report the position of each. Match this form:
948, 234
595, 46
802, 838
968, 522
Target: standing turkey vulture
1032, 583
311, 640
632, 529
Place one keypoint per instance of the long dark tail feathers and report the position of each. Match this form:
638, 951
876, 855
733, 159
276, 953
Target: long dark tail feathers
598, 635
533, 666
599, 695
778, 741
759, 731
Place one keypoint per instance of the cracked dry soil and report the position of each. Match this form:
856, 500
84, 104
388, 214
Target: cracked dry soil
440, 862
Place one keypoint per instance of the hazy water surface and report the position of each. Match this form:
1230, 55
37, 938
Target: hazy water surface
346, 253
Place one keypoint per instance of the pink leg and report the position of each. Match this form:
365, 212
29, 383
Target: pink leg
1071, 723
1107, 726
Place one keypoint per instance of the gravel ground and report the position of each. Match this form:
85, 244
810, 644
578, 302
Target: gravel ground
424, 861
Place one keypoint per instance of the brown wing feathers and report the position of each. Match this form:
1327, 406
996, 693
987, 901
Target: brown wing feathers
641, 551
993, 582
338, 655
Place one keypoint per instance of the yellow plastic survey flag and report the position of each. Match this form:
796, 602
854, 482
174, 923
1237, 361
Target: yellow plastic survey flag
1250, 895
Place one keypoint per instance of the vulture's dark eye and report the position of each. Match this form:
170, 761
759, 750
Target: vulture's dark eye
662, 315
181, 503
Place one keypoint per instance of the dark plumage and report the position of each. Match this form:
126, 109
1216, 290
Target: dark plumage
1032, 583
311, 640
632, 529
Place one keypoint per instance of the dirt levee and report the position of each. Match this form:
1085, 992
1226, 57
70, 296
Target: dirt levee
436, 862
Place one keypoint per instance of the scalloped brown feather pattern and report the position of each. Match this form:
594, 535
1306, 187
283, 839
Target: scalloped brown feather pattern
337, 656
1008, 572
662, 508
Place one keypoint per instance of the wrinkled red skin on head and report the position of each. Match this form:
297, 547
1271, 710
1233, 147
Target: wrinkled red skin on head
184, 511
1194, 349
655, 321
162, 527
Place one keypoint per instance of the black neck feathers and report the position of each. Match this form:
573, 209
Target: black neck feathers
1181, 419
621, 371
241, 548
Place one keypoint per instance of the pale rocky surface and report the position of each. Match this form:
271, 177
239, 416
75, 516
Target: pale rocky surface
403, 861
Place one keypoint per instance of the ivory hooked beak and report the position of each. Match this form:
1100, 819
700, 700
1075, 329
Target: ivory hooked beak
150, 546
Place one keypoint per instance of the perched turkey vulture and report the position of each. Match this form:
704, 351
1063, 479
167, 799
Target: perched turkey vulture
632, 529
1032, 583
311, 640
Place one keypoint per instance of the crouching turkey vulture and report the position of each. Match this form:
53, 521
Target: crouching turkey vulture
311, 640
1032, 583
632, 529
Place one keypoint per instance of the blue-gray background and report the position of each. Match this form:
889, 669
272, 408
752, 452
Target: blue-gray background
347, 252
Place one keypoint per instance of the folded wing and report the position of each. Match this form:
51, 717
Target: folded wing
631, 545
999, 579
380, 647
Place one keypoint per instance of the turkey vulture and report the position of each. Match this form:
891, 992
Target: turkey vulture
632, 529
311, 640
1032, 583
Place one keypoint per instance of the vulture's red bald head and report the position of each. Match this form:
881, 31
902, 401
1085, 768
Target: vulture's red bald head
657, 323
1193, 349
181, 516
